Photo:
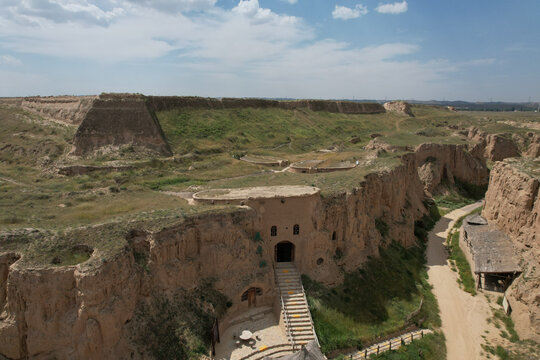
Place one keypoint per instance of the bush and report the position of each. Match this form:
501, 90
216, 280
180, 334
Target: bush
373, 300
382, 226
431, 347
464, 269
180, 326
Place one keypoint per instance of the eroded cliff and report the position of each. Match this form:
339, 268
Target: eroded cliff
513, 204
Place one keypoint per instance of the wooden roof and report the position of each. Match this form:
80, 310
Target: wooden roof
492, 250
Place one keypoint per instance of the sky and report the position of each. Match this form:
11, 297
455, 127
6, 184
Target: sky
481, 50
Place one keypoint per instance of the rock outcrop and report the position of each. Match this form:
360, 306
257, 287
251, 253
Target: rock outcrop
533, 149
120, 119
67, 109
494, 147
437, 163
400, 107
513, 204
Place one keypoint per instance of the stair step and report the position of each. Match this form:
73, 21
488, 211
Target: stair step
304, 337
302, 329
296, 308
292, 293
307, 331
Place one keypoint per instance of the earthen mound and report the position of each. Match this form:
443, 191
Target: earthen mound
120, 119
494, 147
377, 144
400, 107
67, 109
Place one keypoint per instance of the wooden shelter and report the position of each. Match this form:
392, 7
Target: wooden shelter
490, 253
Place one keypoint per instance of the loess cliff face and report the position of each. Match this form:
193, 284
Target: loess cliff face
494, 147
513, 204
85, 311
437, 163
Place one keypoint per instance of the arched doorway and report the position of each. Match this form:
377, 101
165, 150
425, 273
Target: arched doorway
284, 251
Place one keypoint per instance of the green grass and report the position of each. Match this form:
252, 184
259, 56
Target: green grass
466, 278
430, 347
510, 332
301, 130
179, 326
374, 300
464, 269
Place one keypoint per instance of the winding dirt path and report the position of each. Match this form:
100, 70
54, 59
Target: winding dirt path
464, 317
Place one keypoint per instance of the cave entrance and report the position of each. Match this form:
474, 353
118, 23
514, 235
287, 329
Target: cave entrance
284, 251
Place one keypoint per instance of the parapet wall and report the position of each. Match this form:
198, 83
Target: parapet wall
161, 103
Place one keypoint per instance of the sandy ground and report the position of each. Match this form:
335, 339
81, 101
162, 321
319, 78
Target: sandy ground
464, 317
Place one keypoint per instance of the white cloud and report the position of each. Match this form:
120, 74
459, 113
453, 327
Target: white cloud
395, 8
34, 12
246, 51
345, 13
9, 60
290, 1
177, 5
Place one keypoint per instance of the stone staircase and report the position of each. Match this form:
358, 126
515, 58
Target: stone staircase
295, 311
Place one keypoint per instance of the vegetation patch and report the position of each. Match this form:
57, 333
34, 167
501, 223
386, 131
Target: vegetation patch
452, 197
430, 347
179, 326
424, 225
382, 297
456, 255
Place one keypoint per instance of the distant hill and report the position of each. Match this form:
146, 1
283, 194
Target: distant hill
482, 106
463, 105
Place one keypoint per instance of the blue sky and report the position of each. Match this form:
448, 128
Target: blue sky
419, 49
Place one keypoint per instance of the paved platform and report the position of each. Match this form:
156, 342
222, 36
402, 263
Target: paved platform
267, 329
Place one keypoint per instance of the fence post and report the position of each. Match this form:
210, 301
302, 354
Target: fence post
422, 333
377, 349
365, 353
412, 337
390, 345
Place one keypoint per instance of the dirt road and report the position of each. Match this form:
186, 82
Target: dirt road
464, 317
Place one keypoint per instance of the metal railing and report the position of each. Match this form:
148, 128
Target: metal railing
287, 325
309, 314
